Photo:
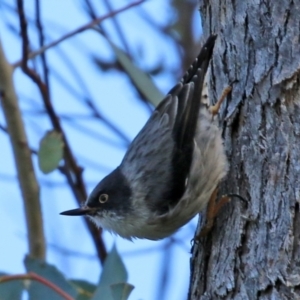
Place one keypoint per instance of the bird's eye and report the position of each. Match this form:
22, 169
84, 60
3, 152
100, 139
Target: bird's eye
103, 198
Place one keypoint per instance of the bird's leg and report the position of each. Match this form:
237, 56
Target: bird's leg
214, 109
213, 208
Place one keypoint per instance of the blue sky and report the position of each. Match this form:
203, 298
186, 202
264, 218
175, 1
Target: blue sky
69, 245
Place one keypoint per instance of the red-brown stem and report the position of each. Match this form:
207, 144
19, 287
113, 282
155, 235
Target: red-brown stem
36, 277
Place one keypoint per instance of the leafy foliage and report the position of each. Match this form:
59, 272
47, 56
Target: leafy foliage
51, 151
112, 285
11, 289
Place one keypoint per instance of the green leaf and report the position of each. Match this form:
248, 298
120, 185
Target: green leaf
142, 81
38, 290
11, 290
113, 272
121, 291
51, 151
84, 289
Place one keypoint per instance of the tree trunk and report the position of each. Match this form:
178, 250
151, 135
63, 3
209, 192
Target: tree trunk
253, 251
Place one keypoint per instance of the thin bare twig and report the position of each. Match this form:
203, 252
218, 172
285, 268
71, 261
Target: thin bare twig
118, 28
41, 41
3, 128
164, 274
114, 21
71, 170
87, 97
106, 121
36, 277
77, 31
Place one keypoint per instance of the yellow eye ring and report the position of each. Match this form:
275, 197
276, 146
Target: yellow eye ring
103, 198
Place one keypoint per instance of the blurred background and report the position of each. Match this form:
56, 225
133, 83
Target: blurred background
102, 100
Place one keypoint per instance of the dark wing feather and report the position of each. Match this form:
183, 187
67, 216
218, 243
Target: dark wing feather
158, 161
189, 105
186, 121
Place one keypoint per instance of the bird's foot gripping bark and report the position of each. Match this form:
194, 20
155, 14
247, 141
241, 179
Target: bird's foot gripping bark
214, 109
212, 211
213, 208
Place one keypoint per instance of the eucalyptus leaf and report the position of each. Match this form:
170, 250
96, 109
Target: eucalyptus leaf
142, 81
11, 290
38, 290
51, 151
121, 291
113, 272
84, 289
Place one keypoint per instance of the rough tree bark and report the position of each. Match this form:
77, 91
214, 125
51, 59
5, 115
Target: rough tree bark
253, 251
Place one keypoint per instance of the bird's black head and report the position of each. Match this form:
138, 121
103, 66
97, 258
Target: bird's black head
112, 193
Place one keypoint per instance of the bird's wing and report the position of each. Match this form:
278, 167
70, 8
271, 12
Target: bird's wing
158, 161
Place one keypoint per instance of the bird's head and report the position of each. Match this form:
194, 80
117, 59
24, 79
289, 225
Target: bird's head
111, 195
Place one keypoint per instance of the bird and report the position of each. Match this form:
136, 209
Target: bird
171, 169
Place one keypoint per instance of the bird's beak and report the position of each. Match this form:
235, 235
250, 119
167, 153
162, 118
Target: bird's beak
85, 210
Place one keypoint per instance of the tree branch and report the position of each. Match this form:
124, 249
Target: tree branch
72, 171
22, 155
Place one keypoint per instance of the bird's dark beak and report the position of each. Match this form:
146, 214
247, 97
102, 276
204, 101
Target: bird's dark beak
78, 211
